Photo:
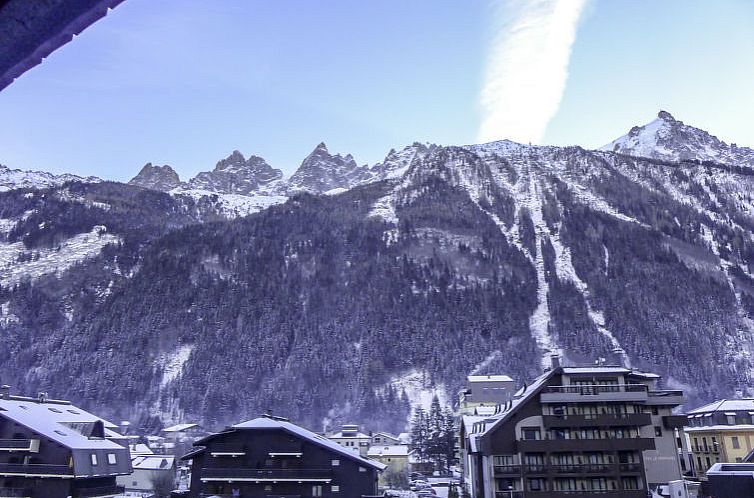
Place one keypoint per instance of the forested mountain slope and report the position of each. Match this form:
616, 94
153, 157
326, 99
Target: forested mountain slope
483, 258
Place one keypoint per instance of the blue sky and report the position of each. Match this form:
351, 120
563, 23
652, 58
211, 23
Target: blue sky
184, 82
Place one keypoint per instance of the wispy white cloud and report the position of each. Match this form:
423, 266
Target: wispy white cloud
527, 67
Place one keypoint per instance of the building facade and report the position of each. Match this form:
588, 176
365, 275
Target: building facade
52, 449
270, 456
351, 437
395, 459
576, 431
485, 390
720, 432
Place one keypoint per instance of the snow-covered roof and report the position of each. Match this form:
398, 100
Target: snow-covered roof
54, 420
395, 450
153, 462
270, 423
489, 378
485, 410
140, 449
348, 435
744, 404
708, 428
595, 370
179, 428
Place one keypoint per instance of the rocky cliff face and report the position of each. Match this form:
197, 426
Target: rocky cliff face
236, 175
162, 178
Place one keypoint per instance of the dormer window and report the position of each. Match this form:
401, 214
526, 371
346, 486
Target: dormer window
94, 459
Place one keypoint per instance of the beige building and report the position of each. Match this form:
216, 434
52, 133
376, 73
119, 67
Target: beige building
352, 438
720, 432
394, 456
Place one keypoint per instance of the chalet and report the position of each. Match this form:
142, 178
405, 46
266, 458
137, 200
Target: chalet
270, 456
385, 438
53, 449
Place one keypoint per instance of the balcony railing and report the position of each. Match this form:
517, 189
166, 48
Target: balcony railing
507, 469
15, 493
35, 470
31, 445
98, 491
593, 390
618, 493
579, 393
607, 444
597, 420
509, 494
213, 474
227, 450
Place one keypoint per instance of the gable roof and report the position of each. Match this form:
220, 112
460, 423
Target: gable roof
56, 420
746, 404
489, 378
180, 427
393, 450
153, 462
307, 435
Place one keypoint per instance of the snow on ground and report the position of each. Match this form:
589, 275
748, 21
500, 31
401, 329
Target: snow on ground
51, 260
233, 205
172, 364
419, 389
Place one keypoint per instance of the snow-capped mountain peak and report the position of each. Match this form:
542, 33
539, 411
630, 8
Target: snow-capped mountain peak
15, 178
666, 138
157, 178
236, 175
322, 171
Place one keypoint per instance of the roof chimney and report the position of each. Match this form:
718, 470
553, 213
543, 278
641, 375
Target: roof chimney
5, 391
42, 397
555, 361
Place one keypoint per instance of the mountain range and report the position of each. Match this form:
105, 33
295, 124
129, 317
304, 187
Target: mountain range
352, 293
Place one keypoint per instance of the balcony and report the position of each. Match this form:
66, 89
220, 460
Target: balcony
98, 492
594, 393
30, 445
665, 398
614, 444
266, 475
509, 494
603, 420
15, 493
229, 450
35, 470
618, 493
507, 470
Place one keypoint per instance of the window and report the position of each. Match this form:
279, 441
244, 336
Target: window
335, 463
335, 488
54, 410
94, 459
362, 469
536, 485
73, 411
731, 419
111, 459
735, 442
268, 487
317, 490
530, 433
658, 431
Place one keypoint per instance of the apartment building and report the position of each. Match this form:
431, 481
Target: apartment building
720, 432
351, 437
575, 431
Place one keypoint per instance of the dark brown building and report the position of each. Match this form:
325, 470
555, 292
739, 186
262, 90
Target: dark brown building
52, 449
271, 457
576, 431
